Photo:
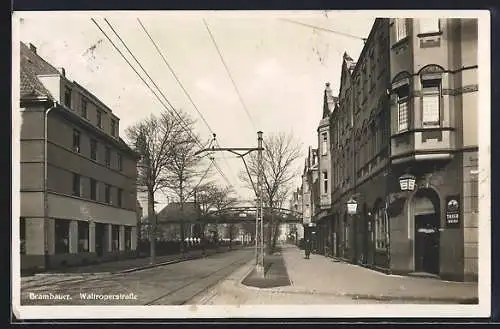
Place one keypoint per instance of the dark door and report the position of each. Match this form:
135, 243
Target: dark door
427, 243
99, 239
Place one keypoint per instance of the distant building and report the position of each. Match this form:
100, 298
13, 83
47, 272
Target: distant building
78, 199
170, 218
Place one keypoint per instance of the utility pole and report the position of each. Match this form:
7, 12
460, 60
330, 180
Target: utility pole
259, 219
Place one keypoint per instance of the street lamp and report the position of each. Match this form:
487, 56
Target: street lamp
352, 206
407, 182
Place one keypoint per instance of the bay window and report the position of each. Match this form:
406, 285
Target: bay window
431, 95
324, 143
403, 122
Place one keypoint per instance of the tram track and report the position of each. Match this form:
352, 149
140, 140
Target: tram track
103, 275
233, 266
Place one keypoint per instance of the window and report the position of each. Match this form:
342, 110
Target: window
77, 186
108, 156
99, 119
431, 95
83, 236
22, 235
325, 182
128, 238
115, 237
429, 25
401, 29
119, 196
67, 97
403, 119
93, 189
324, 143
76, 141
84, 108
120, 161
380, 229
93, 149
61, 236
107, 193
113, 128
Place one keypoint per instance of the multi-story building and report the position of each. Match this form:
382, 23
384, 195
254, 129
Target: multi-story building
434, 137
78, 177
323, 214
296, 204
361, 151
310, 191
408, 105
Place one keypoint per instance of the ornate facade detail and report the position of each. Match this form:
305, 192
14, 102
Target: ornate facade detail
431, 68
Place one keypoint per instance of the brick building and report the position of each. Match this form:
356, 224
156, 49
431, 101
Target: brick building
402, 109
78, 198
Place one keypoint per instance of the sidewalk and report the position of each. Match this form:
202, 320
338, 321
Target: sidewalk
322, 280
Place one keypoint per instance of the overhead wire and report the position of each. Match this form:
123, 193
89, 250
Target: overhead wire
163, 57
172, 110
231, 77
146, 83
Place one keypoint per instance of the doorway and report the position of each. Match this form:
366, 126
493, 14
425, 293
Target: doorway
427, 243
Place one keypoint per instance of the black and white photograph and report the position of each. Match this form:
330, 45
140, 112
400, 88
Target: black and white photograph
251, 164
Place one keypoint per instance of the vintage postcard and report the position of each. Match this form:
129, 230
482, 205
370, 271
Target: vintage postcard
260, 164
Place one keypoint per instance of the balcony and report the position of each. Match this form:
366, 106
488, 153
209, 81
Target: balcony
423, 144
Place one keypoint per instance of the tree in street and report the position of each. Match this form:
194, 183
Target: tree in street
183, 172
154, 138
280, 169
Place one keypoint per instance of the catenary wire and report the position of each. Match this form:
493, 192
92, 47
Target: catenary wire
163, 57
190, 132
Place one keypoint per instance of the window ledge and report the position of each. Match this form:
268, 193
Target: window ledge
418, 130
400, 42
429, 34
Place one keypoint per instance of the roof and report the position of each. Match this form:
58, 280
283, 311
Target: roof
172, 211
32, 65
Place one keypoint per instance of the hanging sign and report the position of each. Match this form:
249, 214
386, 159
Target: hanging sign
453, 211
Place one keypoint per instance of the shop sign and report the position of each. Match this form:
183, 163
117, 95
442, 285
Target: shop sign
453, 211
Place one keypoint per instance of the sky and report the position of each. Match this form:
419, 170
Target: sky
280, 69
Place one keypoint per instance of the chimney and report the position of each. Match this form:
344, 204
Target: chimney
62, 71
32, 48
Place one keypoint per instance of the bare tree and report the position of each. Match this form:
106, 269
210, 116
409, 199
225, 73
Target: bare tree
213, 197
183, 173
153, 138
280, 169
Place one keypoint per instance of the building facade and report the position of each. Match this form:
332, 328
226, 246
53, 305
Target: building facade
310, 191
434, 136
78, 177
408, 105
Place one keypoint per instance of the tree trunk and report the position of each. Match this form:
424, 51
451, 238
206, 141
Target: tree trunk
152, 226
275, 235
181, 194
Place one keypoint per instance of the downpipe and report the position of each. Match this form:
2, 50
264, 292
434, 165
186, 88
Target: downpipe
45, 186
